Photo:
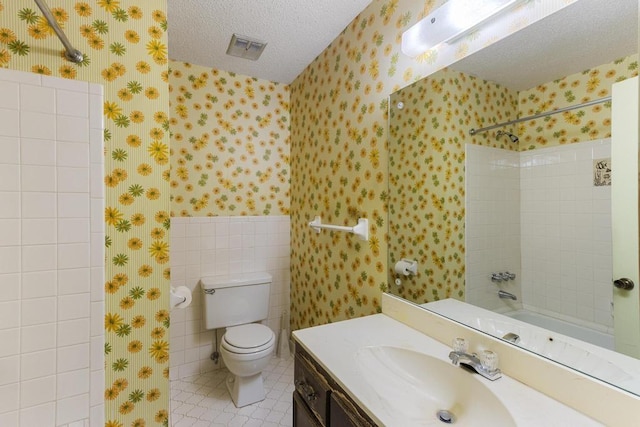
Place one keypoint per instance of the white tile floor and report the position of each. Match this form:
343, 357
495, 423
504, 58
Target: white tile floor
203, 400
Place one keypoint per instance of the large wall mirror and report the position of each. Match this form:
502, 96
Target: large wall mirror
516, 219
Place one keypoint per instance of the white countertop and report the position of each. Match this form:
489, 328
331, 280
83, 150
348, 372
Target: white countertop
335, 345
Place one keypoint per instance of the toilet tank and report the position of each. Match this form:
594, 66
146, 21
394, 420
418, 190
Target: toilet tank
235, 299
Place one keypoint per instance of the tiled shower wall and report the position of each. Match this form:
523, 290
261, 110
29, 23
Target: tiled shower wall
215, 246
492, 228
51, 252
565, 230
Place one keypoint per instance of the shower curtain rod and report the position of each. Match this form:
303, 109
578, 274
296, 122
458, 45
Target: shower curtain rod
71, 53
537, 116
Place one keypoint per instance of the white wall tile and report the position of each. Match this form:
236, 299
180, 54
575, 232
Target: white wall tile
9, 177
37, 125
75, 230
72, 409
10, 259
37, 391
72, 383
37, 99
73, 154
38, 205
9, 314
75, 306
9, 150
38, 231
9, 95
44, 201
9, 122
74, 281
9, 397
72, 332
39, 284
38, 151
38, 364
9, 204
72, 103
10, 339
73, 180
9, 370
75, 205
10, 232
72, 129
38, 415
37, 311
39, 258
10, 287
38, 178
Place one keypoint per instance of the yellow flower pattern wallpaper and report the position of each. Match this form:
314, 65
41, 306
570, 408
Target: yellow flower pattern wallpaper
583, 124
428, 128
426, 158
332, 118
339, 155
124, 44
229, 145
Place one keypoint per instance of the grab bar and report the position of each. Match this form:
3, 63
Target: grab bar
361, 229
71, 53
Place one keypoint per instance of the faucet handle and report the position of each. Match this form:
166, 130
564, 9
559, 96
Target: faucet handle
460, 345
489, 360
497, 277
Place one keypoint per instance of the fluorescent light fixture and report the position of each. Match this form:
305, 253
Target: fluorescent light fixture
449, 22
245, 47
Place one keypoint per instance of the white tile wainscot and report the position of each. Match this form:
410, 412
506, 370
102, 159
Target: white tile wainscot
215, 246
51, 252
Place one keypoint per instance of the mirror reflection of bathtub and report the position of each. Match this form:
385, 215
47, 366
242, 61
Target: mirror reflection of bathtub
572, 345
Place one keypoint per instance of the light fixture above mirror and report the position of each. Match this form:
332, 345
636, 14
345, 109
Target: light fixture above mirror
449, 22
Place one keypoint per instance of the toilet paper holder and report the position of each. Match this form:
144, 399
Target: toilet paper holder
406, 267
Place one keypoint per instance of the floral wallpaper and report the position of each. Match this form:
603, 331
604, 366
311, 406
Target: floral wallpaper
584, 124
426, 209
339, 151
124, 43
230, 143
428, 128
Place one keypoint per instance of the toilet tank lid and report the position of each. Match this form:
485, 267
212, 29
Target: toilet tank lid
232, 280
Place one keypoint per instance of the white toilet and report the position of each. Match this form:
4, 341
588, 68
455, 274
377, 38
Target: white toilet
234, 302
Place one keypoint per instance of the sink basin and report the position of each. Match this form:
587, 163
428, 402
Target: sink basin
420, 390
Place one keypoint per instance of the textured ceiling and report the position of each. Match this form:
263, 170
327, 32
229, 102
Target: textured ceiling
580, 36
296, 31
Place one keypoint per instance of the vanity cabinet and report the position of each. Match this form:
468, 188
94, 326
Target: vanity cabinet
318, 401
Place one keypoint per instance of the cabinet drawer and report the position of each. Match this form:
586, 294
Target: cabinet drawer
302, 415
312, 387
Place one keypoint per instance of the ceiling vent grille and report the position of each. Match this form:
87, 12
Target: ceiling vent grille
245, 47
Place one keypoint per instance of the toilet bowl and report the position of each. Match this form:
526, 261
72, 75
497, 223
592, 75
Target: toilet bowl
237, 302
246, 351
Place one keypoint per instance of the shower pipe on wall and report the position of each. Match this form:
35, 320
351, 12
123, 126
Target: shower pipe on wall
71, 53
547, 113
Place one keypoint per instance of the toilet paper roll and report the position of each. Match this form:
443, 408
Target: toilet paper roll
180, 297
406, 267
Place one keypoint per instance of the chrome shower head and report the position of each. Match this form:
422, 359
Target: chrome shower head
511, 136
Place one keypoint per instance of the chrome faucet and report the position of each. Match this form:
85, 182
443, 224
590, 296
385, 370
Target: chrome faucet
507, 295
487, 369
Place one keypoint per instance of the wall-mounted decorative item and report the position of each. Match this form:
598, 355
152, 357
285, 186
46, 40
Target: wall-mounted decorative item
602, 172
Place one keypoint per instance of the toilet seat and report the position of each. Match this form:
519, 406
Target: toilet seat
248, 339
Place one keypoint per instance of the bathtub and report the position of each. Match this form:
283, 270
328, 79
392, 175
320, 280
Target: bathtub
565, 328
577, 347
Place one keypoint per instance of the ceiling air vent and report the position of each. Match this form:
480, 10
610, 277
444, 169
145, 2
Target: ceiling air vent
245, 47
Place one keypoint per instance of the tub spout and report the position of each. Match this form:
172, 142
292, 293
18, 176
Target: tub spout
507, 295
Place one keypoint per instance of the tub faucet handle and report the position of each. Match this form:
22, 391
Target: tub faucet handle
508, 276
496, 277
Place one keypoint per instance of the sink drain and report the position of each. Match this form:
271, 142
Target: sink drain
446, 416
